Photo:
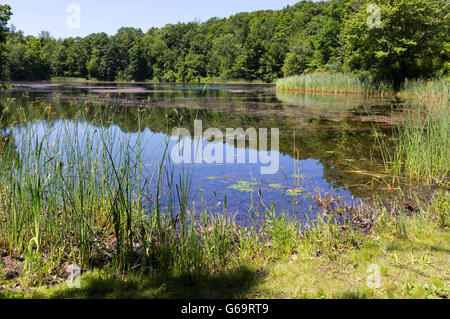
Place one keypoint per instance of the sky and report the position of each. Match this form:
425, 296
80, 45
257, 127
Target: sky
70, 18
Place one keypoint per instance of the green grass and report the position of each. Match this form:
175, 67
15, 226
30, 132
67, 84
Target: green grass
337, 83
435, 91
410, 255
70, 79
429, 92
422, 150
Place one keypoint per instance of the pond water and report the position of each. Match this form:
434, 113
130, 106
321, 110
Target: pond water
327, 144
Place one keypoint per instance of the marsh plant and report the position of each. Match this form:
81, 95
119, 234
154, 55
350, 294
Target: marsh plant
432, 91
338, 83
422, 147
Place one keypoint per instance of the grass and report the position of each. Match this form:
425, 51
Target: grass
428, 92
409, 254
70, 79
337, 83
422, 150
435, 91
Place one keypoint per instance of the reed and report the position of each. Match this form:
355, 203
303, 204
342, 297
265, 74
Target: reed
337, 83
422, 150
434, 91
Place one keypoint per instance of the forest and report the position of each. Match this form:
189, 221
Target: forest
327, 36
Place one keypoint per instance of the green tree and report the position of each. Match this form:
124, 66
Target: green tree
299, 57
138, 67
408, 44
5, 14
26, 59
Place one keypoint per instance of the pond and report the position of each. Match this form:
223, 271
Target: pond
327, 143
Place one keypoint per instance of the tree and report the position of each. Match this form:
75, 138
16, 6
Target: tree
5, 15
310, 36
70, 58
138, 67
26, 60
299, 57
408, 44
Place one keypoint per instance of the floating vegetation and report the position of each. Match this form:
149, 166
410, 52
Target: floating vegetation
294, 192
212, 178
243, 186
275, 186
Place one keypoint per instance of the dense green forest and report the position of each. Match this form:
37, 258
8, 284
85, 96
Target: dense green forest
412, 41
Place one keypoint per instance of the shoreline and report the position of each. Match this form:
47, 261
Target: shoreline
324, 263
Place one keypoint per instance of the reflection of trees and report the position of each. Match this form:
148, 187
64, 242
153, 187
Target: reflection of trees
341, 144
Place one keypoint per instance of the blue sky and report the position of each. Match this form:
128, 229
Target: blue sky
109, 15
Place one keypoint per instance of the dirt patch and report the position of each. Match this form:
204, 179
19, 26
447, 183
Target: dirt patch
11, 267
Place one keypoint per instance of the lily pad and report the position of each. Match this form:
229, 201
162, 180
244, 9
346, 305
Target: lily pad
294, 192
243, 186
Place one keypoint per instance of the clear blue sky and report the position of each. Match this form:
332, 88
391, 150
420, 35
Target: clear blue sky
33, 16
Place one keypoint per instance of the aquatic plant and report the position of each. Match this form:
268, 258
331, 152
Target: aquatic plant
434, 92
422, 150
337, 83
243, 186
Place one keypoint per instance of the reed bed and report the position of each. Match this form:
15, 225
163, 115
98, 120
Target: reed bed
337, 83
422, 150
76, 195
435, 91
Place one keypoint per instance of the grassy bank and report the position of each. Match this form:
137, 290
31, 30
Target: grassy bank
429, 92
436, 92
402, 257
334, 83
422, 149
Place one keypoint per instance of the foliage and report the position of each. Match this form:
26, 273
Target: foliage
410, 42
5, 14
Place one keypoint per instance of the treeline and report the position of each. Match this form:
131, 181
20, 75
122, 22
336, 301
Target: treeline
412, 41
